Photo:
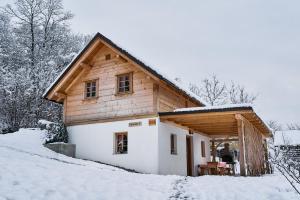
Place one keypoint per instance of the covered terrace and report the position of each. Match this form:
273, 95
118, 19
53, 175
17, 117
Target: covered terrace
238, 123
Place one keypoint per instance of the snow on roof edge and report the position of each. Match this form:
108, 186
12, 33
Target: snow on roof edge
220, 107
226, 106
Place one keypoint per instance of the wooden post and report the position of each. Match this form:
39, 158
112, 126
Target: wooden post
241, 145
213, 149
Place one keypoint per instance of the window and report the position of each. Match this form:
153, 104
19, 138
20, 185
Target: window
203, 149
173, 144
124, 82
107, 57
91, 89
121, 143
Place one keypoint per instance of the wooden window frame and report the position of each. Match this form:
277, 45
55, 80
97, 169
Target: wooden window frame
85, 89
173, 144
130, 74
116, 149
203, 153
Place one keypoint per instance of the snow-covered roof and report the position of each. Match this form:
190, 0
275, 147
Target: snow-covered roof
140, 61
288, 137
220, 107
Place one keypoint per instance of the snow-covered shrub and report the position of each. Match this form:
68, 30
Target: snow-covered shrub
284, 157
4, 129
55, 132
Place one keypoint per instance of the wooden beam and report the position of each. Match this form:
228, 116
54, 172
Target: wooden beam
241, 133
85, 69
204, 114
60, 95
225, 140
72, 70
213, 150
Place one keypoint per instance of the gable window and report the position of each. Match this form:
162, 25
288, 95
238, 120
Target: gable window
173, 139
121, 143
107, 57
91, 89
124, 83
203, 149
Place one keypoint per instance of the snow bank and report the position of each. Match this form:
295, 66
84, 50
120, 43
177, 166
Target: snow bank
271, 187
30, 171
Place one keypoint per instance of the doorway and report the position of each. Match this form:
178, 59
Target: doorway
189, 155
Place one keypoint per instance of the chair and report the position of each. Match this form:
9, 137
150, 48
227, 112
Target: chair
222, 168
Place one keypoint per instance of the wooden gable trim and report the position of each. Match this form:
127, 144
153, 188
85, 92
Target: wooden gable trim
73, 66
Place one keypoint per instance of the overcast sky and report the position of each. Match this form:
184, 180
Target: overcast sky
255, 43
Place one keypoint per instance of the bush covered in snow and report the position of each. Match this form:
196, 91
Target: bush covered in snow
4, 128
55, 132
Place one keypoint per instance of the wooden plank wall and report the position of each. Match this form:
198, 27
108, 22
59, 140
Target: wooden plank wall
254, 150
108, 104
168, 100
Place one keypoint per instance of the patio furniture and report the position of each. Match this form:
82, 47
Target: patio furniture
222, 170
213, 168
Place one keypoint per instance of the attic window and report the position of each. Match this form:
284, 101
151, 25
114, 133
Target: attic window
91, 89
107, 57
124, 83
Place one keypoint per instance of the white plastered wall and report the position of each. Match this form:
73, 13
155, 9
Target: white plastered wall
96, 142
177, 164
198, 159
168, 163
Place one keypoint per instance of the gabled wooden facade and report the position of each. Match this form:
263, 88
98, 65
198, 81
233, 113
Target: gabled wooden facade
103, 61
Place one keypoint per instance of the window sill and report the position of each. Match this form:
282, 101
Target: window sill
90, 100
123, 93
120, 153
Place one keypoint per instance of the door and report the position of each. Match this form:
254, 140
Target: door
189, 155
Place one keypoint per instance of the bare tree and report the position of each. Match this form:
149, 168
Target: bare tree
213, 91
274, 125
293, 126
238, 94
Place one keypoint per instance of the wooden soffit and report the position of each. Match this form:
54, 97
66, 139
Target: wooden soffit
215, 122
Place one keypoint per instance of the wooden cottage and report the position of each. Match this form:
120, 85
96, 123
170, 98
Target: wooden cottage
122, 112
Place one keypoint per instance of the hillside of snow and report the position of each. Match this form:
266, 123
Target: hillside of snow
30, 171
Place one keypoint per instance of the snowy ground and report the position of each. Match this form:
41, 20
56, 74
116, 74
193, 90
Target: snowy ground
29, 171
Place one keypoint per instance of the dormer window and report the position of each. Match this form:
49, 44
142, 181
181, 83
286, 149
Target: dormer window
91, 89
124, 83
